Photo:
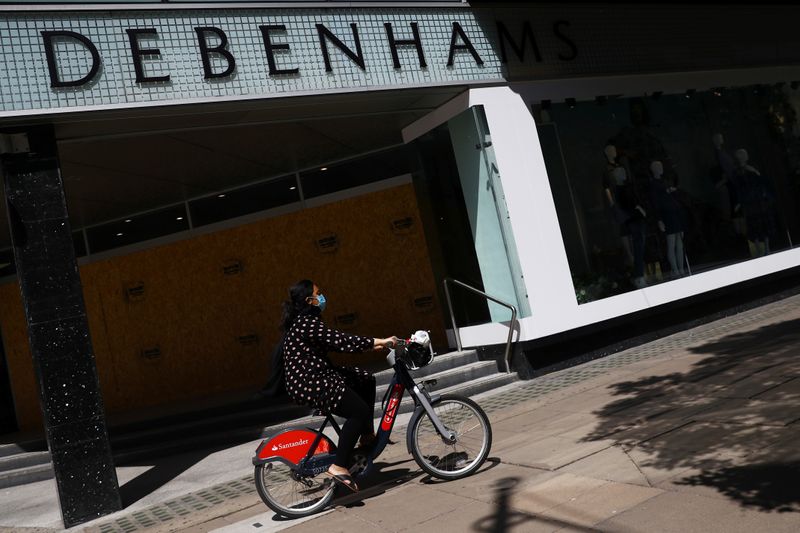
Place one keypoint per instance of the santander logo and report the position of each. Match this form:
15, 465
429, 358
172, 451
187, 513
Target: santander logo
391, 409
282, 446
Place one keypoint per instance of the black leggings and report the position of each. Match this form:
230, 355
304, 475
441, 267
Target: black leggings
358, 407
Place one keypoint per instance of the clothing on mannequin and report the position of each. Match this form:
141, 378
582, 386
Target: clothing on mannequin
630, 216
755, 202
670, 214
722, 174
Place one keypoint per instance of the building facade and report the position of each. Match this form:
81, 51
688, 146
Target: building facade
581, 162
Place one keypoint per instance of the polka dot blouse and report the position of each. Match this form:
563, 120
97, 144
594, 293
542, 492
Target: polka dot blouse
311, 378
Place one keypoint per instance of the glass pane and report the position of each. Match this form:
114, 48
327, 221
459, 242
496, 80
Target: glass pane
659, 187
338, 177
460, 192
243, 201
137, 228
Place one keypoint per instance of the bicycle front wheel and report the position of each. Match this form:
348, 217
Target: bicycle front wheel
473, 438
289, 494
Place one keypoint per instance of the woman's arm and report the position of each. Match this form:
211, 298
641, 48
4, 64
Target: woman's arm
335, 340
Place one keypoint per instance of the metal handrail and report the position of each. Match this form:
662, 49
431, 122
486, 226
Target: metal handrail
492, 298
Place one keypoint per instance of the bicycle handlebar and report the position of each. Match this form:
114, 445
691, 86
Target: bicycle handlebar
391, 345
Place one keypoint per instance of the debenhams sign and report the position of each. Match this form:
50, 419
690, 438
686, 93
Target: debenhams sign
459, 42
193, 55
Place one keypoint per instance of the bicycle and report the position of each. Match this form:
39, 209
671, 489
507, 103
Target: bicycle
449, 437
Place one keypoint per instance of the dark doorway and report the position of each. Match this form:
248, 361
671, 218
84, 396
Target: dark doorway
447, 228
8, 419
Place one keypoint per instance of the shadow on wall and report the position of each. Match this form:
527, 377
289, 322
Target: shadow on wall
729, 424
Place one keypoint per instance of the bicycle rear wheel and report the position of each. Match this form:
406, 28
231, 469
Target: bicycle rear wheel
473, 440
289, 494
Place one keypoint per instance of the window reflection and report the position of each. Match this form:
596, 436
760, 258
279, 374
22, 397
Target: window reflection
658, 187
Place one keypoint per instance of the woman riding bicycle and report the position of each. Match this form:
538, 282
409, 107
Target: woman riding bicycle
312, 379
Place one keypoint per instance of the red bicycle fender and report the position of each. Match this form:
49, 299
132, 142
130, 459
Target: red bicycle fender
291, 446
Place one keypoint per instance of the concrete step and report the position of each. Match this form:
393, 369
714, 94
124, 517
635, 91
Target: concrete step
447, 378
28, 474
15, 448
481, 381
440, 363
23, 460
469, 388
448, 369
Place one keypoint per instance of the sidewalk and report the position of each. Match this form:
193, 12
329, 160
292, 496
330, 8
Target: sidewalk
693, 432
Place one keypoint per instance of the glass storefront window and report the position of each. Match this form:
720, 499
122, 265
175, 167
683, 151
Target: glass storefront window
658, 187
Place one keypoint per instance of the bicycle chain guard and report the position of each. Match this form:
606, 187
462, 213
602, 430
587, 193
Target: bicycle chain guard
292, 446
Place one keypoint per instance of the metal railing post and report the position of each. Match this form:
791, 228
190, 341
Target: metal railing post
452, 315
507, 355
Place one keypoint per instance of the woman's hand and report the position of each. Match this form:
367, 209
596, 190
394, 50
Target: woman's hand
388, 342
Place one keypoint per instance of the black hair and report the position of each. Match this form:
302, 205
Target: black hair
299, 293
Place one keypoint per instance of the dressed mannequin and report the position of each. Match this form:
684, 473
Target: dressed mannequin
755, 201
670, 214
722, 174
724, 159
609, 182
630, 216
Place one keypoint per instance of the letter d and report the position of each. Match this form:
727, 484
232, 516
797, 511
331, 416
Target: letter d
49, 52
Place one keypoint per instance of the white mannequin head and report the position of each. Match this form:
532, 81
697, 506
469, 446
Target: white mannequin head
657, 169
741, 156
611, 153
718, 140
619, 175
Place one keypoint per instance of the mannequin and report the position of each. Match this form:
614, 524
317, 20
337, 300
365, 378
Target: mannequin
613, 178
609, 181
670, 216
754, 202
611, 154
722, 175
629, 214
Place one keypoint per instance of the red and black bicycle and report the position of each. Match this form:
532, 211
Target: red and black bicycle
449, 437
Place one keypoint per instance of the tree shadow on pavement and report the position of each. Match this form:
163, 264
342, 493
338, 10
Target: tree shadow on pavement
730, 423
768, 486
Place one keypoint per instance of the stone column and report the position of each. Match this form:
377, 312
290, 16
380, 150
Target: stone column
58, 330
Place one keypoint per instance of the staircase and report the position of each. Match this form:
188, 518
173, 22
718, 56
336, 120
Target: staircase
455, 372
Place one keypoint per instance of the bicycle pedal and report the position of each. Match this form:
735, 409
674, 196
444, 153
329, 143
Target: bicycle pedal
430, 383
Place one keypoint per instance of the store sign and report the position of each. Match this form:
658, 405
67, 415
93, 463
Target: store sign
69, 60
459, 41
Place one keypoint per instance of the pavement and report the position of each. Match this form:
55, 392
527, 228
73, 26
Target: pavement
696, 431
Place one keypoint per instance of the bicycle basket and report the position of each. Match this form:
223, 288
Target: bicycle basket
419, 351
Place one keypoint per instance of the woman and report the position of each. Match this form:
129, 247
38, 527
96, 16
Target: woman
312, 379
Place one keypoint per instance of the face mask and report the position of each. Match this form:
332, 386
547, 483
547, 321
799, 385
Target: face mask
321, 302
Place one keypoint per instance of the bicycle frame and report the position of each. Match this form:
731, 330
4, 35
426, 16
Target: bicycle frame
321, 452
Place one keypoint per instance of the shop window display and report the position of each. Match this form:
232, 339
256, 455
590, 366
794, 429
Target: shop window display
655, 188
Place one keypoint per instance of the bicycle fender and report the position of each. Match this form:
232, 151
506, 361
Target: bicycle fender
291, 446
418, 412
